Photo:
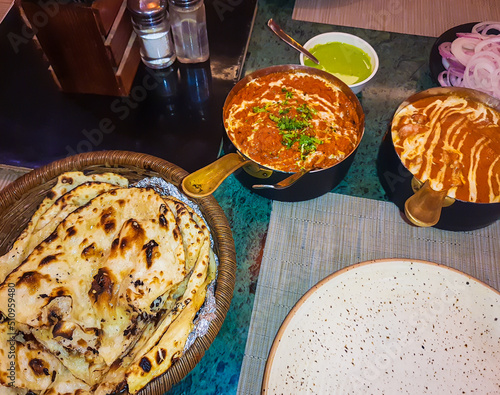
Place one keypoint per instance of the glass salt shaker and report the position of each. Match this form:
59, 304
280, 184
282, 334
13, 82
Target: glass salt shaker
189, 30
150, 21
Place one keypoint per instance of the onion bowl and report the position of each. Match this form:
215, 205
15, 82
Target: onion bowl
467, 56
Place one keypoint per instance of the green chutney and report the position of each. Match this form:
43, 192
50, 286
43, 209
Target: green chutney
345, 61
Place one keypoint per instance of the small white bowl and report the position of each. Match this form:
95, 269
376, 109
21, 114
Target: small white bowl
347, 39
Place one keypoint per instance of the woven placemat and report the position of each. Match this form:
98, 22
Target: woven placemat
10, 173
422, 17
309, 240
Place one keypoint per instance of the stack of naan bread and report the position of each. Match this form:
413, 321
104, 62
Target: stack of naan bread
107, 280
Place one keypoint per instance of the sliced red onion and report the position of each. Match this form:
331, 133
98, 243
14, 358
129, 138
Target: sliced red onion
484, 27
495, 80
470, 35
452, 62
472, 60
463, 48
445, 50
443, 78
495, 27
491, 44
450, 78
479, 71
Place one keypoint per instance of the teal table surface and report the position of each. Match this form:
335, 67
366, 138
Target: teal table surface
403, 71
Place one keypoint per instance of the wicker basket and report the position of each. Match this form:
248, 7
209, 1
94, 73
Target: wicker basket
19, 200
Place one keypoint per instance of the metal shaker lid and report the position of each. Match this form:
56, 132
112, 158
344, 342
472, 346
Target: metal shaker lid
185, 3
150, 9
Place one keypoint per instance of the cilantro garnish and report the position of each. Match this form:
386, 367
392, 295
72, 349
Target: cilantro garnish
306, 111
292, 129
287, 123
306, 144
288, 94
288, 139
274, 118
261, 109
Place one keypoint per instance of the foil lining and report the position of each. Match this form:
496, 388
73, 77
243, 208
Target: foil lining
207, 311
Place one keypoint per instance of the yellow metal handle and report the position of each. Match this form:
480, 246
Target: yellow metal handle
424, 207
206, 180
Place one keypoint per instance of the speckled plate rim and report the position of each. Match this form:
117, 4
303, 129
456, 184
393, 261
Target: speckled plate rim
284, 326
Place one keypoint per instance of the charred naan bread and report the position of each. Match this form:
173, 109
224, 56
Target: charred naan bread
34, 368
110, 280
55, 206
193, 229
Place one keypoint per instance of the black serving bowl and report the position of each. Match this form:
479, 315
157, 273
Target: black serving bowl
266, 182
399, 183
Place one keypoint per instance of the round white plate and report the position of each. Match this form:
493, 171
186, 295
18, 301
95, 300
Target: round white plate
389, 327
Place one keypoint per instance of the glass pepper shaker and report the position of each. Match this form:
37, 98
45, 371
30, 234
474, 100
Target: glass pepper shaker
189, 30
151, 23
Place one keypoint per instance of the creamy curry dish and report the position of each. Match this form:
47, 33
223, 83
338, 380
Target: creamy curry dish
99, 292
292, 121
454, 143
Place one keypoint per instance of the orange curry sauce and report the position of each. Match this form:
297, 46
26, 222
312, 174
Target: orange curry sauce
454, 143
290, 121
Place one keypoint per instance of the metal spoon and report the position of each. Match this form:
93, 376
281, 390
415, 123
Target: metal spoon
289, 40
283, 184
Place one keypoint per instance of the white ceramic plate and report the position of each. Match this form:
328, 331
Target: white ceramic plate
390, 327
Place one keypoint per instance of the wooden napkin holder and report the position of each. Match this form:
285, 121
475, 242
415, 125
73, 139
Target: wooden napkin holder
91, 47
